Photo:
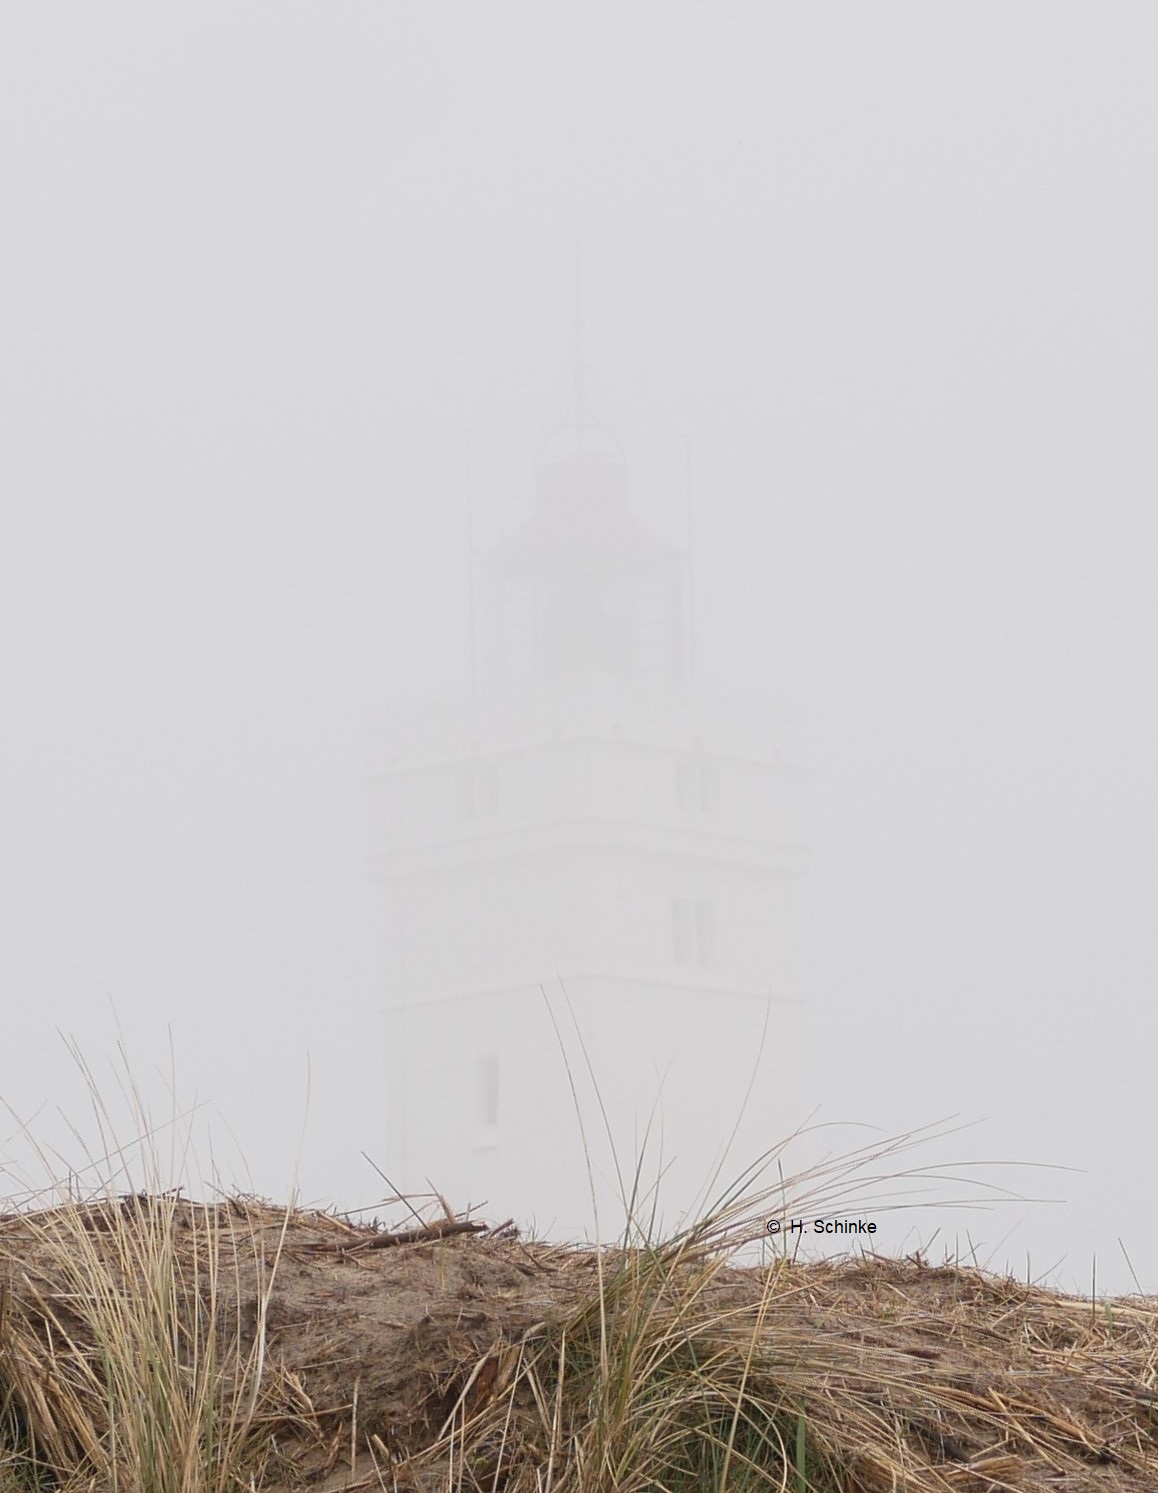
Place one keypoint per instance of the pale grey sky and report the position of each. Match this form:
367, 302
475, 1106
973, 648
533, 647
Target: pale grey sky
892, 265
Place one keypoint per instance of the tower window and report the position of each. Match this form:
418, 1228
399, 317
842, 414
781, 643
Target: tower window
697, 787
705, 933
693, 931
478, 790
487, 1096
681, 930
486, 788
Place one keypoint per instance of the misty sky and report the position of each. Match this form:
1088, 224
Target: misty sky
893, 268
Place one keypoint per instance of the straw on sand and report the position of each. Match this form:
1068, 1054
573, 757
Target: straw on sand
152, 1343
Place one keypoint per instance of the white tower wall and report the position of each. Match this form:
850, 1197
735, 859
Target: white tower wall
588, 837
613, 863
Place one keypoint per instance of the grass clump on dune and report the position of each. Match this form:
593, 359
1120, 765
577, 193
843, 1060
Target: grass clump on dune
131, 1353
150, 1344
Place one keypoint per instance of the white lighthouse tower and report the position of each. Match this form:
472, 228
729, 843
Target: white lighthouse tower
588, 872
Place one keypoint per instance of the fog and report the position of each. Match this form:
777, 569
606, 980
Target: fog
874, 284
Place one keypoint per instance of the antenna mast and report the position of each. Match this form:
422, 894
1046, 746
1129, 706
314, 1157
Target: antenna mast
579, 393
690, 565
468, 476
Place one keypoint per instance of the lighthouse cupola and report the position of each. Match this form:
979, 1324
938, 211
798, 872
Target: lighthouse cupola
582, 587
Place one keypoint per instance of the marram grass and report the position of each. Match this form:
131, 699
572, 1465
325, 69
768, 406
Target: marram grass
123, 1358
150, 1344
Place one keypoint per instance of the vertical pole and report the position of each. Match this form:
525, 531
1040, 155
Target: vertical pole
470, 563
691, 631
580, 392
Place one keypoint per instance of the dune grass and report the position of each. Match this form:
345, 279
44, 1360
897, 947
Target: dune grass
133, 1358
871, 1376
682, 1371
137, 1355
124, 1361
147, 1345
128, 1361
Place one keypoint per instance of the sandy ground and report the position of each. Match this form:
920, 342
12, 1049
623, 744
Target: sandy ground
374, 1339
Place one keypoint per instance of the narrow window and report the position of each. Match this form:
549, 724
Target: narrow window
488, 1091
487, 788
478, 790
681, 930
705, 933
697, 787
685, 776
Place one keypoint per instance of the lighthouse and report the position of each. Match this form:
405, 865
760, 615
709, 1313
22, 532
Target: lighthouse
587, 868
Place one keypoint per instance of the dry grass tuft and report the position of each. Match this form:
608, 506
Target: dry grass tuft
132, 1343
149, 1344
858, 1376
156, 1345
